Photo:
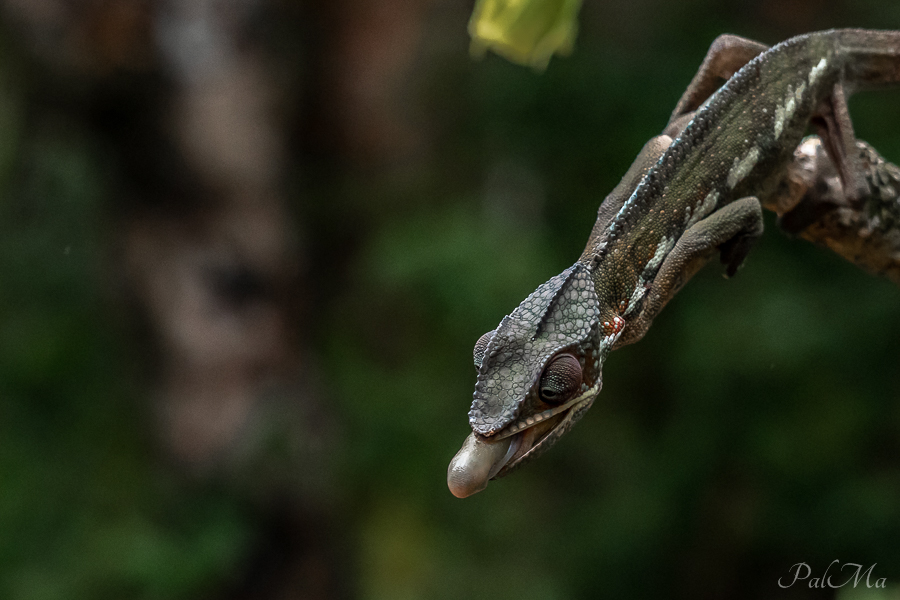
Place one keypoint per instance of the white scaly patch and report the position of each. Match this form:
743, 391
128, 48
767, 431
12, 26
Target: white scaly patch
636, 296
688, 213
789, 106
742, 167
779, 121
784, 113
705, 207
606, 344
780, 116
662, 250
816, 71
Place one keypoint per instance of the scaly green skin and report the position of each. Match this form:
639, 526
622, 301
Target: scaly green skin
683, 200
736, 147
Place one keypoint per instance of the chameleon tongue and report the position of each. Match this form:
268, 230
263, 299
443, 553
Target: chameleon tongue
476, 462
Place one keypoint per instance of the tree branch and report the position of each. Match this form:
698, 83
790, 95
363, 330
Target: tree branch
810, 203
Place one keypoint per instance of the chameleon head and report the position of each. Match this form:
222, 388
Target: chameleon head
538, 372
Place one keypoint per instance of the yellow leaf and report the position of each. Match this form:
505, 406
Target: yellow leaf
527, 32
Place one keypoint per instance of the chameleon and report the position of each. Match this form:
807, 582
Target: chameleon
693, 191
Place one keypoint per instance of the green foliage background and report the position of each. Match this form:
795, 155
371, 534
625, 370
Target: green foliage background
755, 427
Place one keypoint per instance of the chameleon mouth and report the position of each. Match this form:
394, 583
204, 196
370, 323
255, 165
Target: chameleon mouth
484, 458
537, 433
545, 416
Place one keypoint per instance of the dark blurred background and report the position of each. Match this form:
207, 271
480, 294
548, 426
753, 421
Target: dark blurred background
246, 247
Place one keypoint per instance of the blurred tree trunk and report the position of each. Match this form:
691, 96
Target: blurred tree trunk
204, 108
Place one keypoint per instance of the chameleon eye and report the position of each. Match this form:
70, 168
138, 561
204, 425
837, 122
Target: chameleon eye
481, 345
561, 379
